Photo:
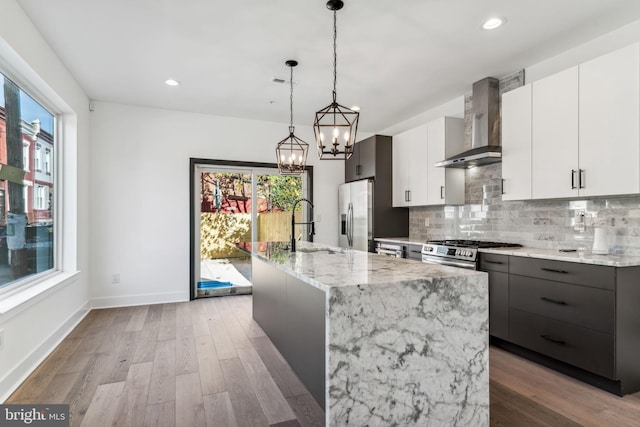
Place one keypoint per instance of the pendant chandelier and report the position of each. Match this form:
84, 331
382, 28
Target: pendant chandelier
291, 152
335, 126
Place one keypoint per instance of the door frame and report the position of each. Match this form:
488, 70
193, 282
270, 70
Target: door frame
193, 164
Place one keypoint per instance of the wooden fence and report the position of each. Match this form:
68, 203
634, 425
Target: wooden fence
219, 232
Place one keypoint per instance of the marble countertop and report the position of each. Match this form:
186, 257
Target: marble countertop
555, 254
406, 343
326, 267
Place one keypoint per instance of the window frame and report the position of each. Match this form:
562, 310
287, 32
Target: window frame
31, 89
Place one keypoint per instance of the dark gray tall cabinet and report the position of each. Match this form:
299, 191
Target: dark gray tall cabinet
372, 158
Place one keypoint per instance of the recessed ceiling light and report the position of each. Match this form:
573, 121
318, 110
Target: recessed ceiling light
172, 82
493, 23
355, 108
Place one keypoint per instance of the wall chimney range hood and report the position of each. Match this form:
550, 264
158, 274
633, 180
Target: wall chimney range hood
485, 128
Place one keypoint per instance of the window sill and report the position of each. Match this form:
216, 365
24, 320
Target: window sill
14, 303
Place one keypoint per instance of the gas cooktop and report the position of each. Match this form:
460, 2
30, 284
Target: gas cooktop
462, 243
458, 252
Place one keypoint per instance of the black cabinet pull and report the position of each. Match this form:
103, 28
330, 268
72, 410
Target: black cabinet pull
442, 191
357, 169
553, 340
553, 270
493, 262
502, 186
553, 301
573, 179
581, 178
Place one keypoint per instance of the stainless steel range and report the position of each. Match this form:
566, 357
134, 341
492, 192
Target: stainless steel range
458, 253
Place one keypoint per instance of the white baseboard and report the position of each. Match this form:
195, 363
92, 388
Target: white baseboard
13, 379
131, 300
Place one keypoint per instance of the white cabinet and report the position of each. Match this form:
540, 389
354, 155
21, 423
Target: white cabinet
445, 138
416, 181
555, 167
575, 133
409, 162
516, 144
609, 155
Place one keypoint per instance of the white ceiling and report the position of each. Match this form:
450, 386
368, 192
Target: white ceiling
395, 58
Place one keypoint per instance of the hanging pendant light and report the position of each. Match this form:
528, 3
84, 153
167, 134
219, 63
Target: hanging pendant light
291, 152
335, 126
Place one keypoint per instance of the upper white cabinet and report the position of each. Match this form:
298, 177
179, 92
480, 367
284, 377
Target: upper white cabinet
555, 167
445, 138
610, 124
416, 181
409, 161
516, 144
575, 133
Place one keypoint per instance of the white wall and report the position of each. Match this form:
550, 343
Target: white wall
619, 38
616, 39
32, 329
140, 193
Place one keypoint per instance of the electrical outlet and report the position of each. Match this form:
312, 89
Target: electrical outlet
1, 339
426, 222
115, 278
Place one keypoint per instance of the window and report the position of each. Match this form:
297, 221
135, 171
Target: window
41, 198
47, 161
26, 191
25, 155
37, 159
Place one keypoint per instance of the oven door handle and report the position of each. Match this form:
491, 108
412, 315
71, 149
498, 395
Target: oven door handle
395, 253
434, 260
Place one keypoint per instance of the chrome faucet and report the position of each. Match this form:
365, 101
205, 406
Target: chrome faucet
311, 224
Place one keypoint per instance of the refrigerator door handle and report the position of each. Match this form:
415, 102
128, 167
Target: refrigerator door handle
350, 225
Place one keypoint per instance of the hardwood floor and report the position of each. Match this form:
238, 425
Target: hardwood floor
207, 363
526, 394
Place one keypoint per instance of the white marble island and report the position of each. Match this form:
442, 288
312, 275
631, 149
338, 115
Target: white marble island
392, 341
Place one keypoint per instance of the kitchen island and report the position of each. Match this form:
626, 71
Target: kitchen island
377, 340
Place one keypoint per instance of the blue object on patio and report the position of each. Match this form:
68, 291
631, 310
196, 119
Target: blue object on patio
211, 284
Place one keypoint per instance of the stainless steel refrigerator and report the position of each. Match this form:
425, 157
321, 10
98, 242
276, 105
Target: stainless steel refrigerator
355, 203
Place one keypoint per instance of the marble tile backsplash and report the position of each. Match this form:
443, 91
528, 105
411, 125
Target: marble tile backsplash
547, 224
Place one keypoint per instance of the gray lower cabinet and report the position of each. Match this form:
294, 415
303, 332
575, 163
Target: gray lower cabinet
414, 252
578, 346
497, 266
292, 314
584, 315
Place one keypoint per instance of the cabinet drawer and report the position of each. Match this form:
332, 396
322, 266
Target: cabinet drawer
494, 262
584, 348
414, 252
588, 307
595, 276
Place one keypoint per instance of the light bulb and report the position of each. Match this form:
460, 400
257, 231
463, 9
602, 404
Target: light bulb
493, 23
346, 136
321, 137
336, 132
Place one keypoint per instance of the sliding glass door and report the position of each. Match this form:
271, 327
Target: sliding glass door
234, 204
